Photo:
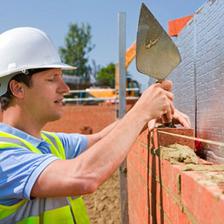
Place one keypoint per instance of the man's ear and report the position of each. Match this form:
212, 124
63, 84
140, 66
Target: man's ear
17, 89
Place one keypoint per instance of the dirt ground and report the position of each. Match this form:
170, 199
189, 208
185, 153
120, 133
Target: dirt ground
104, 205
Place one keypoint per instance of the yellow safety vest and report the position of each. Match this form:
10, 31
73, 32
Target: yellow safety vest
61, 210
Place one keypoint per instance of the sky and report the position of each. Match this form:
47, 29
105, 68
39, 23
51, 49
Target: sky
54, 18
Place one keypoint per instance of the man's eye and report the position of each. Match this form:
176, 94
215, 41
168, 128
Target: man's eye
51, 79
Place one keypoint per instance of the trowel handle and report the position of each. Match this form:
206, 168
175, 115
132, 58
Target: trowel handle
165, 121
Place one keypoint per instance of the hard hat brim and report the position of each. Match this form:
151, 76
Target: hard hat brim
60, 65
8, 75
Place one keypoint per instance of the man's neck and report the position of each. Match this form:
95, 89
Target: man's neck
24, 122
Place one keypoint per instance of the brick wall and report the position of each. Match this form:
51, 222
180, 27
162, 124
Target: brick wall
160, 192
199, 79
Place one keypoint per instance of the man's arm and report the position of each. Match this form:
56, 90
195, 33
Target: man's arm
88, 171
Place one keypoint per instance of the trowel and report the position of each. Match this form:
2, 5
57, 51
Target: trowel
156, 53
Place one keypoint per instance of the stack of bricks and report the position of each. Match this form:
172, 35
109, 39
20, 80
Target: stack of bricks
79, 118
161, 192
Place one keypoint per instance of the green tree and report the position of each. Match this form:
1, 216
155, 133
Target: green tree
106, 76
77, 46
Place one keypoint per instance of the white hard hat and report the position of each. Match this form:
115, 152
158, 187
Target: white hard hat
26, 48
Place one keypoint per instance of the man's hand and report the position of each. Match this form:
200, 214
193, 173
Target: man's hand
178, 118
155, 102
181, 118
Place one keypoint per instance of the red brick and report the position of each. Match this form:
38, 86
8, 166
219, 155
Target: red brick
171, 200
171, 177
142, 138
205, 202
166, 139
173, 208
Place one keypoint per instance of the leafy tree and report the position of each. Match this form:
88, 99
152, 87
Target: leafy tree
106, 76
77, 46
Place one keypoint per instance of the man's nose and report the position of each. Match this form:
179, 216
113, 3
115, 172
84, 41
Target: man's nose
63, 87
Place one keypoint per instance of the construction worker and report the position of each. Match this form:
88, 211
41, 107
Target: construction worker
43, 174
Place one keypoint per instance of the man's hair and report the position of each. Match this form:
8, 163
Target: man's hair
7, 97
25, 78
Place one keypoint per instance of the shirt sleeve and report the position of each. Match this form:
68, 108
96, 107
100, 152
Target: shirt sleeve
19, 169
74, 144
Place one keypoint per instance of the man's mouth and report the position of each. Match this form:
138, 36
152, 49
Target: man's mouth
59, 101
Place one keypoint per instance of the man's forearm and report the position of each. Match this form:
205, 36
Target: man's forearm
108, 153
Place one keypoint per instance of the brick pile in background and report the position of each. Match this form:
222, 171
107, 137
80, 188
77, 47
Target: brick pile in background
81, 117
160, 192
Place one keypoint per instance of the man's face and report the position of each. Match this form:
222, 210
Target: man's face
43, 99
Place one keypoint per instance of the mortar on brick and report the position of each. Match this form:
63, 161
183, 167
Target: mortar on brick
214, 178
177, 153
202, 167
209, 175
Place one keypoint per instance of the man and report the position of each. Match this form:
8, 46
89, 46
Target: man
42, 174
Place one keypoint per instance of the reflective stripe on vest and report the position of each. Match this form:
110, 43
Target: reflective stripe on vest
45, 210
55, 143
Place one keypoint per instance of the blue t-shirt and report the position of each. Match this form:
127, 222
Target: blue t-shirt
20, 167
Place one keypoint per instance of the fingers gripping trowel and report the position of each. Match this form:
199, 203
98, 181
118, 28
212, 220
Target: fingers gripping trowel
156, 53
